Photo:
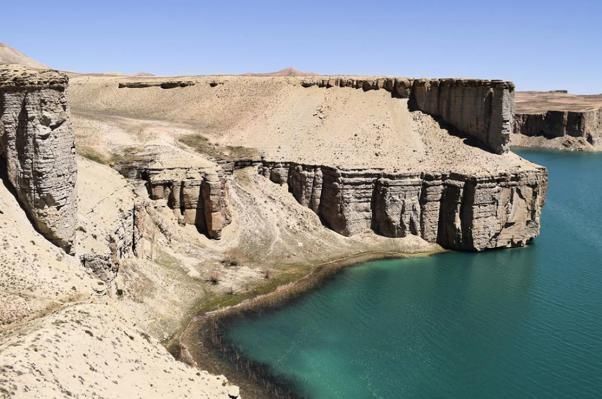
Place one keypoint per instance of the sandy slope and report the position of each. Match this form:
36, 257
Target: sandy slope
90, 351
541, 101
9, 55
280, 120
63, 333
36, 277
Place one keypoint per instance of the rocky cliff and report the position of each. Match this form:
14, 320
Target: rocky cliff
480, 109
551, 124
198, 197
559, 115
37, 149
365, 154
457, 211
194, 188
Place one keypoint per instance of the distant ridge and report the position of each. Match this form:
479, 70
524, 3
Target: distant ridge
283, 72
9, 55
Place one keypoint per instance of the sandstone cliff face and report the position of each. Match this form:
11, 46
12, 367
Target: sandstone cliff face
552, 124
453, 210
198, 196
37, 149
480, 109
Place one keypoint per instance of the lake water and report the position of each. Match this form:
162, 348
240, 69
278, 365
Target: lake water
519, 323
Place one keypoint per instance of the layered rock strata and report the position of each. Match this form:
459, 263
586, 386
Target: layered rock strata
454, 210
553, 124
37, 149
559, 114
198, 196
480, 109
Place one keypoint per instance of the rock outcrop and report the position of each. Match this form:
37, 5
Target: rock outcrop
169, 84
558, 114
480, 109
552, 124
107, 215
37, 149
197, 195
454, 210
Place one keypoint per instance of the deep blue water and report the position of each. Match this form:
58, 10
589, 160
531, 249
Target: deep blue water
519, 323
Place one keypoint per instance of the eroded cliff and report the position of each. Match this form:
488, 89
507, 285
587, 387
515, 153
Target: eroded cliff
480, 109
37, 149
567, 120
193, 187
457, 211
395, 156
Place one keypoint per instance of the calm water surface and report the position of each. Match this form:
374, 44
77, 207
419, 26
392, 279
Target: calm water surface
520, 323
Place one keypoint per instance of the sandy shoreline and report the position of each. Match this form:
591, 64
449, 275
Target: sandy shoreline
202, 341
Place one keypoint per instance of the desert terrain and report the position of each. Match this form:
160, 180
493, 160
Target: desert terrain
273, 118
186, 202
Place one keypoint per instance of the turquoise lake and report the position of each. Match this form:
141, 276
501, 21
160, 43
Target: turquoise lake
518, 323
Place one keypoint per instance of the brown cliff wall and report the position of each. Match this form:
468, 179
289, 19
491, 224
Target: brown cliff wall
453, 210
197, 196
480, 109
552, 124
37, 149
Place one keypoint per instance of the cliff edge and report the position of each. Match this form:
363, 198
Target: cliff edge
395, 156
37, 149
558, 120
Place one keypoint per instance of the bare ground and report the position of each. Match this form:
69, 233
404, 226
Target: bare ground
66, 333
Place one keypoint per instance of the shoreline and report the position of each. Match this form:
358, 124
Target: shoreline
202, 342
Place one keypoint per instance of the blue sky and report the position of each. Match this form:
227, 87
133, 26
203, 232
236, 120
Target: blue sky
538, 44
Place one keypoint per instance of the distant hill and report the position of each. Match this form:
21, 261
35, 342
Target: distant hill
283, 72
9, 55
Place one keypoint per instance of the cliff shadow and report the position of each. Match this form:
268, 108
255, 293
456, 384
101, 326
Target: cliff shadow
12, 190
452, 130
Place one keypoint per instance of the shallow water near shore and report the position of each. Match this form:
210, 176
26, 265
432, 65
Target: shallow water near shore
522, 322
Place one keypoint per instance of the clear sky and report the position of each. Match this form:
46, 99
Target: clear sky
538, 44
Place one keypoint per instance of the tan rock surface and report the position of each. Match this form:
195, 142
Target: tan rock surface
356, 126
37, 149
558, 120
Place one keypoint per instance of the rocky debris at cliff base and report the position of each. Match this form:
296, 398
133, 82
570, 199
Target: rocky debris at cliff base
479, 109
36, 277
565, 143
